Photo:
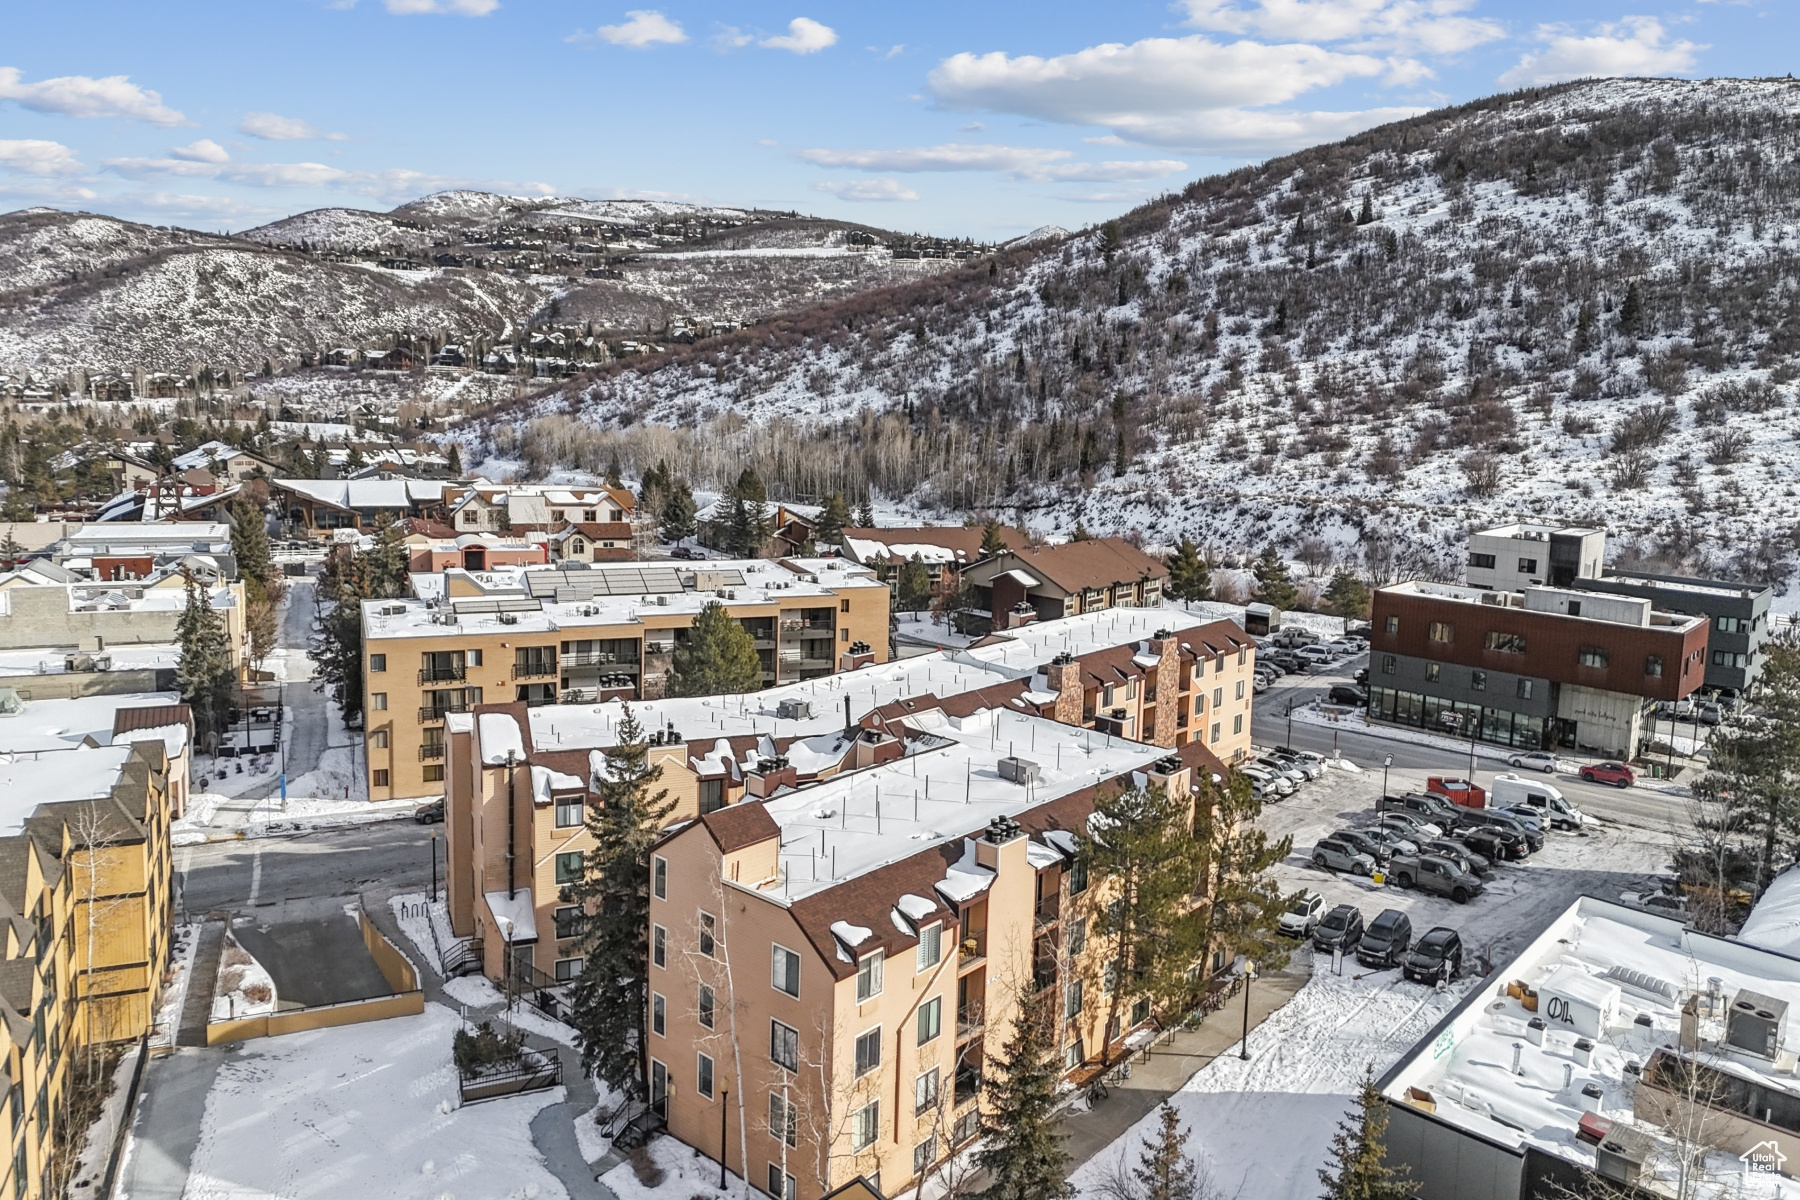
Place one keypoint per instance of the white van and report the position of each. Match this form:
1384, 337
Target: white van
1515, 791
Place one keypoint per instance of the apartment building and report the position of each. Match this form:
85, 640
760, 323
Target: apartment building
36, 612
483, 507
1537, 669
1511, 558
1041, 583
946, 551
601, 633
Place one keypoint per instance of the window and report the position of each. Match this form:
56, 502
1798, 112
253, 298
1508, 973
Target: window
925, 1091
1441, 631
1218, 696
843, 606
1724, 658
659, 1015
1073, 1055
568, 811
784, 1046
1078, 875
712, 795
377, 662
924, 1154
703, 1075
1072, 999
1393, 624
1433, 671
378, 701
567, 919
1593, 656
784, 971
1482, 562
1528, 566
1237, 724
567, 969
709, 927
659, 877
868, 977
1731, 624
380, 777
867, 1125
1240, 689
1478, 681
868, 1051
1574, 608
784, 1119
659, 945
473, 659
782, 1187
931, 1019
1653, 666
1077, 935
1215, 731
931, 946
706, 1007
1505, 643
378, 740
568, 867
577, 546
1109, 977
1524, 689
1388, 664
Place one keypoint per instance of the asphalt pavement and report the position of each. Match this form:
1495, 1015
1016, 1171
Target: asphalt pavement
240, 875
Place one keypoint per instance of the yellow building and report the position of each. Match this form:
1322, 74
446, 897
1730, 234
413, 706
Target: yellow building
540, 636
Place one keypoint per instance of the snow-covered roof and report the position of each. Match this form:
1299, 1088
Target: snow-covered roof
392, 495
500, 737
514, 915
1774, 924
41, 726
80, 774
544, 782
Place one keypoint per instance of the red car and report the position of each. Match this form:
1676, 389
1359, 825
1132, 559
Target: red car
1617, 774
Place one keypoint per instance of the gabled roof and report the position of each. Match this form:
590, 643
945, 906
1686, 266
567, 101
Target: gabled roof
1096, 562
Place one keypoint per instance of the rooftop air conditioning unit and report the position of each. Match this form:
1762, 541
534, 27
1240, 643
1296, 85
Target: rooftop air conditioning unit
507, 618
1621, 1156
1755, 1023
794, 710
1020, 770
662, 601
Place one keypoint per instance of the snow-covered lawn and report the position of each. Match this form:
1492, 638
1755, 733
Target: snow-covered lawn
924, 627
686, 1176
363, 1111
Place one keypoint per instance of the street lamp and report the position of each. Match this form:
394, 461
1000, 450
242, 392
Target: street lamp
724, 1116
434, 866
506, 931
1249, 974
1385, 764
1290, 721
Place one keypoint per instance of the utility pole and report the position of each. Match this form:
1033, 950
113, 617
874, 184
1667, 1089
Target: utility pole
1249, 974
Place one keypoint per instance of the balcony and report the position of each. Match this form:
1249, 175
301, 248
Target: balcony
971, 1019
968, 1086
431, 751
453, 674
1049, 911
600, 659
534, 670
972, 952
436, 712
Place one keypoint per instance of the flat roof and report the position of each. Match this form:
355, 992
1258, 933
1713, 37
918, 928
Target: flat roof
59, 725
1599, 970
1515, 602
51, 660
80, 774
1535, 531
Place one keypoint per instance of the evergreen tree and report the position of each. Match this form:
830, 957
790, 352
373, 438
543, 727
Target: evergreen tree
615, 471
1367, 215
204, 675
250, 542
833, 519
991, 541
1081, 534
1190, 578
351, 577
678, 513
1754, 767
1356, 1170
1274, 584
614, 894
1021, 1150
747, 521
1244, 902
1164, 1171
10, 550
1631, 312
914, 591
454, 454
1140, 844
865, 513
717, 658
321, 460
1347, 596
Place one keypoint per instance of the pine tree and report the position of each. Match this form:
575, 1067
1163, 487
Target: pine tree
1356, 1170
1021, 1150
10, 550
1753, 768
1189, 576
1367, 215
614, 895
250, 542
747, 521
1165, 1172
454, 454
204, 675
992, 543
615, 471
1274, 583
718, 657
1347, 596
1244, 902
678, 513
1081, 534
914, 591
833, 518
865, 513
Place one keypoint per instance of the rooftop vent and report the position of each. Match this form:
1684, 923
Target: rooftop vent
1020, 770
1755, 1023
1063, 659
1001, 829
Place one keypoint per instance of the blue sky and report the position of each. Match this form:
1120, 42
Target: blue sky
979, 119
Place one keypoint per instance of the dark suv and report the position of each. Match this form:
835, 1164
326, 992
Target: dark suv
1347, 693
1342, 926
1478, 818
1386, 940
1437, 956
1436, 809
1375, 848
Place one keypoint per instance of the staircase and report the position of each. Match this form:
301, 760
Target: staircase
460, 958
196, 1008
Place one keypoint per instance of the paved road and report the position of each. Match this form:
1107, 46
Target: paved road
306, 735
393, 855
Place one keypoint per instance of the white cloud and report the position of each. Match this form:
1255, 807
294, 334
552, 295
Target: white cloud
730, 37
1029, 163
1437, 26
203, 151
82, 96
459, 8
271, 127
643, 27
32, 156
1629, 46
868, 190
804, 36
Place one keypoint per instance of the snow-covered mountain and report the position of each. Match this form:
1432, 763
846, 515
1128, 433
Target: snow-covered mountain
1578, 302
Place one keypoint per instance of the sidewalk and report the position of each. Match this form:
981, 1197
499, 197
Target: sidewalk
1162, 1069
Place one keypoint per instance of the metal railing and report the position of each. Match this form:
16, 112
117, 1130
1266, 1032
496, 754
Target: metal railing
443, 674
1049, 911
970, 1021
535, 1072
460, 958
431, 751
599, 659
534, 670
436, 712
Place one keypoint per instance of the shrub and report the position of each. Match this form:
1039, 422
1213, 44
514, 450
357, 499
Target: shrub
645, 1168
485, 1048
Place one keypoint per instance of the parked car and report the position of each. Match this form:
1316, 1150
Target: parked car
1397, 842
1434, 958
430, 814
1615, 773
1411, 825
1309, 768
1459, 850
1261, 683
1429, 873
1375, 848
1436, 809
1271, 782
684, 552
1342, 927
1302, 915
1709, 713
1494, 843
1272, 667
1280, 768
1287, 660
1336, 854
1537, 760
1361, 676
1342, 647
1347, 693
1313, 656
1475, 818
1303, 756
1386, 940
1295, 638
1659, 902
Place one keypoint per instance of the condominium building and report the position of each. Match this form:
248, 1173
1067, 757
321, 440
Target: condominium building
1537, 669
601, 633
1041, 583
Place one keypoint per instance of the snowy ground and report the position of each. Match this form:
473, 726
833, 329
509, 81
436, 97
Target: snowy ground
363, 1111
244, 987
687, 1175
924, 627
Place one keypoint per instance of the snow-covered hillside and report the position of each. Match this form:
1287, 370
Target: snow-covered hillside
1580, 301
342, 231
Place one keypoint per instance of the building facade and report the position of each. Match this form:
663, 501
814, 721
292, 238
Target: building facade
1042, 583
1511, 558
